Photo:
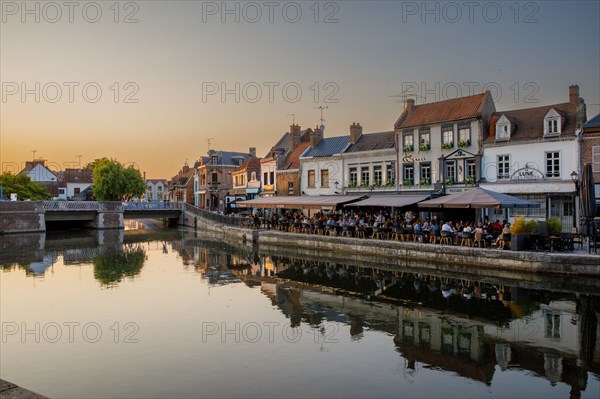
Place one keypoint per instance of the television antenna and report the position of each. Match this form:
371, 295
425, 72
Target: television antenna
404, 96
79, 156
322, 108
293, 118
34, 151
208, 141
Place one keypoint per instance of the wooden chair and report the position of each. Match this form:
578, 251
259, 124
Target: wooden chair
435, 237
397, 234
577, 238
377, 233
504, 242
347, 231
360, 232
467, 238
407, 235
319, 229
479, 240
446, 238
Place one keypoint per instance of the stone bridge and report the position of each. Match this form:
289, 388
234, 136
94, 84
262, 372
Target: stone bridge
31, 216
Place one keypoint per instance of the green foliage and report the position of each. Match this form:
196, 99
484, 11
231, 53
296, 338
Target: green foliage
23, 187
424, 147
470, 181
425, 182
554, 225
522, 226
447, 146
111, 269
463, 144
114, 182
408, 148
408, 182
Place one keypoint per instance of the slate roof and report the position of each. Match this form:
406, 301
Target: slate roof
226, 158
293, 159
529, 122
78, 176
594, 122
373, 141
252, 163
328, 146
443, 111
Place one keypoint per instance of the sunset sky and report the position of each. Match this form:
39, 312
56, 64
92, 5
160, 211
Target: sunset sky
161, 74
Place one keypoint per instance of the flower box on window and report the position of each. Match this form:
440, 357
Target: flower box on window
408, 148
447, 146
463, 144
424, 147
425, 182
408, 182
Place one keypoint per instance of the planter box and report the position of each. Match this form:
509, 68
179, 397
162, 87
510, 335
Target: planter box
520, 242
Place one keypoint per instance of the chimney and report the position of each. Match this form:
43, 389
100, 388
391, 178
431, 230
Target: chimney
355, 132
252, 152
295, 132
410, 103
574, 94
144, 176
315, 136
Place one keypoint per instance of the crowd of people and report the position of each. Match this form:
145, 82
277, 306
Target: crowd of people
397, 223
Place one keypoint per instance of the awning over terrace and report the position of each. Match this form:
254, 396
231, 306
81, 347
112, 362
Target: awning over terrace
395, 201
301, 202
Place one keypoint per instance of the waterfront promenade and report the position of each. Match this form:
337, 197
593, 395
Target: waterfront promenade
467, 259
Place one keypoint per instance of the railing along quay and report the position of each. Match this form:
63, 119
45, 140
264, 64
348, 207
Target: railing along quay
235, 221
70, 206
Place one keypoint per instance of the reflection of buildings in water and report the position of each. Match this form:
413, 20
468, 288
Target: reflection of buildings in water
468, 347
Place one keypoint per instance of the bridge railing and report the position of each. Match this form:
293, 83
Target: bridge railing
151, 205
235, 221
70, 205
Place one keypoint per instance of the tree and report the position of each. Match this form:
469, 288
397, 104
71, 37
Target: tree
114, 182
23, 187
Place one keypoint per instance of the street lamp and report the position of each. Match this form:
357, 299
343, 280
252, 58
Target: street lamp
575, 178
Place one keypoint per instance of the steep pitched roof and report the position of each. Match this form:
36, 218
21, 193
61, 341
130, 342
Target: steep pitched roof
594, 122
293, 159
328, 146
78, 176
373, 141
443, 111
156, 181
226, 158
250, 163
529, 122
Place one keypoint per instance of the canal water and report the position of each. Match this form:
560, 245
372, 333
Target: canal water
170, 313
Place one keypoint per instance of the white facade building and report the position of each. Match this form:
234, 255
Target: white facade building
533, 153
156, 190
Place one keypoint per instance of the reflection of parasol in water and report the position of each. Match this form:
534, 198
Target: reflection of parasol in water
587, 200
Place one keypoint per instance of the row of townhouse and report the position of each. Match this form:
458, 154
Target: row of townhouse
434, 148
70, 183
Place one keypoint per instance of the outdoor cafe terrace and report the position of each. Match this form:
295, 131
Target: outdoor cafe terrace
354, 221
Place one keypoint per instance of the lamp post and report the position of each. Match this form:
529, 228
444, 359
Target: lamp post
575, 178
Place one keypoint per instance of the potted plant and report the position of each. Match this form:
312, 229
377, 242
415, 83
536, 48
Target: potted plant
424, 147
408, 182
425, 182
554, 226
377, 183
390, 183
470, 181
364, 184
408, 148
447, 146
463, 144
449, 181
520, 232
352, 184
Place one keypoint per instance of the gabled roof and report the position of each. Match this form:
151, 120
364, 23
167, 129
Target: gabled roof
226, 158
443, 111
529, 122
156, 181
594, 122
250, 163
328, 146
373, 141
293, 159
78, 176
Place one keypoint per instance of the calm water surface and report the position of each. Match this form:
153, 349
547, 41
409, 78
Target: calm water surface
174, 314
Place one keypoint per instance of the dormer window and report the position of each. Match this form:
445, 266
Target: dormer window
214, 160
503, 129
553, 122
